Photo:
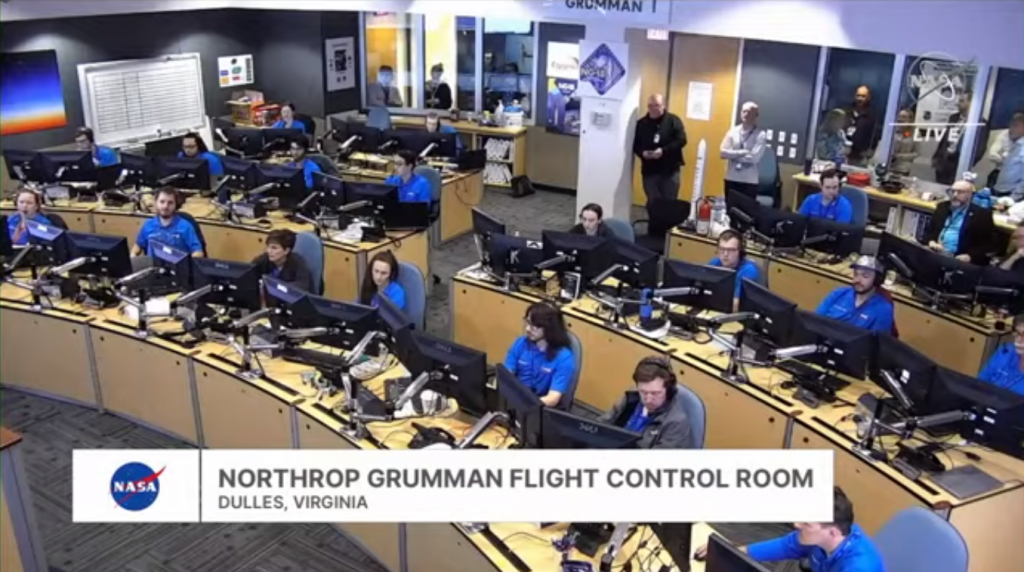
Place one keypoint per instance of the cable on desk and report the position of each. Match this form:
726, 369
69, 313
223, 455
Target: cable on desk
528, 535
399, 431
649, 533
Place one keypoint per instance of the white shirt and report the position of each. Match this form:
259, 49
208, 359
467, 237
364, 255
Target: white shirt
742, 150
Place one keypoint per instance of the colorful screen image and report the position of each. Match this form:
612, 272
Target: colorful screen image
31, 98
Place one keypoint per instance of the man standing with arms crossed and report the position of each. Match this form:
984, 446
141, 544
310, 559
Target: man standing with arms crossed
658, 142
742, 149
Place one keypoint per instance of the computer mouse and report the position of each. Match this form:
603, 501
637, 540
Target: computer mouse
698, 557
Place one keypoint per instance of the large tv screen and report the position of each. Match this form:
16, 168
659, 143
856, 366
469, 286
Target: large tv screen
31, 98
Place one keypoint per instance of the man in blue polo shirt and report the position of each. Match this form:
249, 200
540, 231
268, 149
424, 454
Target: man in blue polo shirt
861, 304
828, 204
412, 188
193, 147
167, 227
838, 546
1006, 366
732, 254
299, 149
542, 359
85, 140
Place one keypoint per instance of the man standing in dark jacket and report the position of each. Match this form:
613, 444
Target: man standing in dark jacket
654, 410
862, 128
658, 142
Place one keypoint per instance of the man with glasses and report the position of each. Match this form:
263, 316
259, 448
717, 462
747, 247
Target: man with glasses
959, 228
1006, 366
732, 254
862, 303
299, 149
193, 147
654, 409
85, 140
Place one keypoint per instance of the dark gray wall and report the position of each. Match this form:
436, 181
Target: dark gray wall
341, 25
780, 78
288, 54
567, 33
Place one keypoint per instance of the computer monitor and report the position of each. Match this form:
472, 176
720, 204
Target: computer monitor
844, 348
233, 284
138, 170
108, 254
280, 140
6, 246
443, 145
724, 557
332, 190
485, 225
456, 371
69, 167
513, 255
641, 264
349, 322
289, 183
785, 229
998, 413
50, 242
368, 139
588, 255
945, 274
831, 237
743, 210
774, 314
414, 140
188, 172
715, 286
248, 141
902, 256
239, 173
340, 129
397, 326
911, 369
26, 166
522, 406
385, 206
1001, 289
561, 430
292, 306
175, 266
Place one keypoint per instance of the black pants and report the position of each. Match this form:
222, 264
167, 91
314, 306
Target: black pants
749, 189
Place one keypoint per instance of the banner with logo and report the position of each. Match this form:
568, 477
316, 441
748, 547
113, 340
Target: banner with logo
563, 102
233, 71
603, 69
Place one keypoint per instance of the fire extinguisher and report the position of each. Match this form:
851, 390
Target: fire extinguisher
704, 216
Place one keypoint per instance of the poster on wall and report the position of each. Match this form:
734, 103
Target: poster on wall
603, 69
563, 101
339, 53
698, 101
234, 71
31, 99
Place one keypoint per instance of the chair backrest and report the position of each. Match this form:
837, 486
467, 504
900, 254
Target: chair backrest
310, 124
762, 272
379, 117
918, 540
325, 163
56, 220
621, 229
309, 246
696, 414
434, 178
577, 363
769, 182
665, 214
199, 230
411, 279
859, 201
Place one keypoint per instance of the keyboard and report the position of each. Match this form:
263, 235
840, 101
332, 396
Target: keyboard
313, 358
800, 369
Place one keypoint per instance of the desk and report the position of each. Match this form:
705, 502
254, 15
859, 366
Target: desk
21, 545
771, 417
958, 342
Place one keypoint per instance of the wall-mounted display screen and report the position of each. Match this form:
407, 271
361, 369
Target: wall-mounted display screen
31, 98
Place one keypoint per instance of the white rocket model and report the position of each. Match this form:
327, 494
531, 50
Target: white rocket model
698, 178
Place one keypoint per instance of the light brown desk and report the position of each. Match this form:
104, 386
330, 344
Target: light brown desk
21, 544
958, 342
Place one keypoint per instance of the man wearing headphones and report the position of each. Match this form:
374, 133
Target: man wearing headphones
862, 303
732, 254
85, 140
1004, 367
654, 410
829, 203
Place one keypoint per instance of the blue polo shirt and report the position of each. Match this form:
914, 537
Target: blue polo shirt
394, 292
308, 168
876, 314
532, 367
949, 237
417, 190
212, 159
856, 553
105, 156
1003, 369
296, 124
839, 210
180, 234
747, 269
12, 224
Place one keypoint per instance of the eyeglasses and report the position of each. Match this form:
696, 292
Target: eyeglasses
727, 250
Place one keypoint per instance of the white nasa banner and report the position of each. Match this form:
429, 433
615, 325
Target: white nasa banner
135, 485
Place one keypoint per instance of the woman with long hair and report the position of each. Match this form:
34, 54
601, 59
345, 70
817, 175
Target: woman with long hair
382, 280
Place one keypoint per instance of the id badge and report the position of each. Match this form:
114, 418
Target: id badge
850, 131
657, 138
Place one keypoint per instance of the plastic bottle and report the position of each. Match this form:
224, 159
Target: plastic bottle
499, 114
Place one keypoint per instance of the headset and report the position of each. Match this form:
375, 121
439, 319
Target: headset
730, 234
665, 372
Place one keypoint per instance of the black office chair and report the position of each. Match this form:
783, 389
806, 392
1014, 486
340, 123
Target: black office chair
307, 120
199, 229
667, 214
56, 220
325, 163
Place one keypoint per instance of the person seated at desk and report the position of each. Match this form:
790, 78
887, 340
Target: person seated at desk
299, 149
412, 188
542, 359
732, 254
28, 204
382, 280
592, 222
829, 203
863, 303
193, 147
1006, 366
280, 261
961, 228
168, 228
287, 120
433, 124
85, 140
1015, 261
837, 546
654, 409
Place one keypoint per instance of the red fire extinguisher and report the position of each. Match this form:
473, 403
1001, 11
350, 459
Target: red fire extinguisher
704, 216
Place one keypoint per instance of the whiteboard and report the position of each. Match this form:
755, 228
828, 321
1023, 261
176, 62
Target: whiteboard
132, 101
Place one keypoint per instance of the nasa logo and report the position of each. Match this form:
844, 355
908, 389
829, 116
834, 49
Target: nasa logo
135, 486
602, 69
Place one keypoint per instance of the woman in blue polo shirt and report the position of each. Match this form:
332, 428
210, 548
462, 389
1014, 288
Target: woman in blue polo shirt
193, 147
382, 280
412, 188
28, 205
542, 359
287, 120
1006, 366
299, 149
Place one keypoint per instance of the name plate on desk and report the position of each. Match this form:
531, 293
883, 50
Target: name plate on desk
57, 192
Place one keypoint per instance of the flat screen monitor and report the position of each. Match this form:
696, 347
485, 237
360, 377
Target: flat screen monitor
348, 323
25, 166
943, 273
715, 287
289, 183
175, 266
724, 557
108, 255
292, 306
456, 371
997, 419
1000, 288
247, 141
443, 145
785, 229
743, 210
6, 246
280, 140
911, 369
187, 172
845, 348
587, 255
397, 326
69, 167
385, 206
638, 265
239, 173
834, 238
522, 406
332, 190
902, 256
341, 129
561, 430
139, 170
486, 225
233, 284
50, 242
368, 139
774, 314
414, 140
513, 255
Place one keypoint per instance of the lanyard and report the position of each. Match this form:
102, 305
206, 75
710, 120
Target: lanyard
954, 217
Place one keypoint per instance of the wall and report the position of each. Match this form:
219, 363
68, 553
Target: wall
780, 78
289, 57
341, 25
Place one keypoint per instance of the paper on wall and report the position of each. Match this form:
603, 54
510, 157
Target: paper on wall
339, 60
698, 101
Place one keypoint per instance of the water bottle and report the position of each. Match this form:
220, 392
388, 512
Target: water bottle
646, 309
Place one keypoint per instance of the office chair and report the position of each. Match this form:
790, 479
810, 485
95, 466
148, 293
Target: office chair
199, 229
565, 404
310, 124
859, 201
769, 182
379, 117
411, 280
621, 229
325, 163
762, 272
311, 249
918, 540
56, 220
696, 413
434, 178
667, 213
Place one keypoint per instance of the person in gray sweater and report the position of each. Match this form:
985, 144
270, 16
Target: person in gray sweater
654, 409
